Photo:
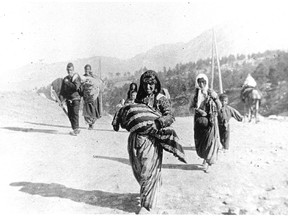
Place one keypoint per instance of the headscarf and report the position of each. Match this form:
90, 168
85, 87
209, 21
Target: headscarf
135, 84
201, 94
250, 81
69, 65
87, 65
203, 76
149, 76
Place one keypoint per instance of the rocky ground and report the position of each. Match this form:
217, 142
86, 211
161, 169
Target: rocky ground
47, 171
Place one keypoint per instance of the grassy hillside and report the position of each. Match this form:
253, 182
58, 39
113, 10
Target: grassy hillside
269, 69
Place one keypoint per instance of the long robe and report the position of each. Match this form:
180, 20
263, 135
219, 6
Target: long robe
145, 154
91, 107
206, 136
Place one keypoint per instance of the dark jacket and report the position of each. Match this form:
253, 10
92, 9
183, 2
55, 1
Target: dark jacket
70, 88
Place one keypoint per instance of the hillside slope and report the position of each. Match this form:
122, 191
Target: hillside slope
230, 40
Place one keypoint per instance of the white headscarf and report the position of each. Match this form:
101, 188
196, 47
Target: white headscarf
201, 94
199, 76
250, 81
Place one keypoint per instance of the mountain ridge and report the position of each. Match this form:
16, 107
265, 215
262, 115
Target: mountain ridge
230, 40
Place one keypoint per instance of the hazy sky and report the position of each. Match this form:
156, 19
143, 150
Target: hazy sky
54, 31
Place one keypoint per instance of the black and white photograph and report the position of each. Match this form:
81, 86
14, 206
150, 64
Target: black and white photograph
144, 107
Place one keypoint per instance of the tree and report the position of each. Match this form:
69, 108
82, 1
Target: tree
273, 76
261, 73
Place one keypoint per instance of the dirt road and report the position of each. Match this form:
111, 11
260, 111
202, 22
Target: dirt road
45, 170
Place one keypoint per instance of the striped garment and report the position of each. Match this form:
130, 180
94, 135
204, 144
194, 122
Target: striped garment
139, 118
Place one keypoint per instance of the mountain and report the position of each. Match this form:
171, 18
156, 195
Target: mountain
230, 40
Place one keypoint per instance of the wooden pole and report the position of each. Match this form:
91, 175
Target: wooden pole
218, 63
100, 93
212, 63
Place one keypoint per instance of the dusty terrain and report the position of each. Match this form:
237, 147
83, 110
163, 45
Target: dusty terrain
45, 170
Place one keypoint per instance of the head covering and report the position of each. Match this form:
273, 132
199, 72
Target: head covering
201, 93
69, 65
87, 65
133, 84
203, 76
149, 76
250, 81
222, 96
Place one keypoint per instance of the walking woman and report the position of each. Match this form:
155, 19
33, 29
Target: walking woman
90, 88
145, 153
205, 105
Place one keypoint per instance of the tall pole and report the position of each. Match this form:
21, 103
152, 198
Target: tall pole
218, 63
212, 66
100, 94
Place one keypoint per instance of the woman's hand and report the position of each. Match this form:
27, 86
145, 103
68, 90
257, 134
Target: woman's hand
201, 112
213, 95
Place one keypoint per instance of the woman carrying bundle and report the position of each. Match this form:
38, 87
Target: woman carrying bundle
205, 104
145, 153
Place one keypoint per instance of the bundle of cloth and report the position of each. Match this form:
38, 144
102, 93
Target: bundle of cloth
248, 86
90, 88
139, 118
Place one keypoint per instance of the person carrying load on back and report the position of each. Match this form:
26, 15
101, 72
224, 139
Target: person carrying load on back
249, 85
90, 89
70, 93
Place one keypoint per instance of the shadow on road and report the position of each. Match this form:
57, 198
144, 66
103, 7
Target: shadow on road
164, 166
50, 125
125, 202
33, 130
84, 128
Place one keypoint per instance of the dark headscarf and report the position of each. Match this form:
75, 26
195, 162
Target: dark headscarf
149, 76
69, 65
130, 87
87, 65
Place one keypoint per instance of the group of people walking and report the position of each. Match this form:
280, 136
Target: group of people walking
73, 88
145, 147
211, 127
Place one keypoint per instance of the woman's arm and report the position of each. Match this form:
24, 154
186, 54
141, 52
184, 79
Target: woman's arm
167, 117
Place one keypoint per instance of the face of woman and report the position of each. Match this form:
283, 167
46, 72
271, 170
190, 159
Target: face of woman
149, 88
202, 83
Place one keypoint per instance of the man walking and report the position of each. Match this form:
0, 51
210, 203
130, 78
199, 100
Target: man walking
69, 92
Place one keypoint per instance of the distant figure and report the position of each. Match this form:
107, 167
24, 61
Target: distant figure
205, 105
248, 85
132, 88
251, 97
131, 99
226, 112
70, 92
90, 89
